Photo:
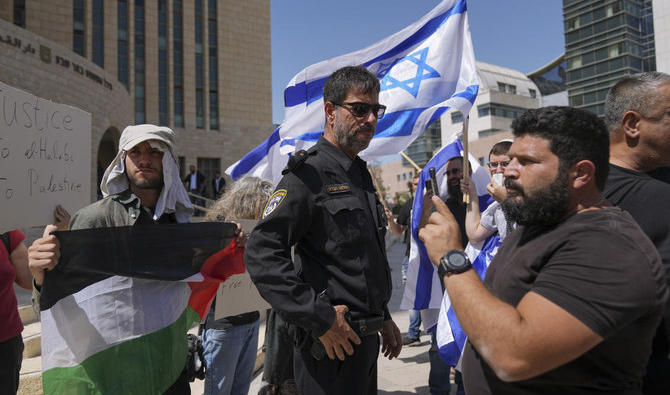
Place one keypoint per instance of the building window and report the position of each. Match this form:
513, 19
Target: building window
199, 68
532, 93
574, 62
488, 132
456, 117
98, 28
78, 27
162, 63
20, 13
182, 167
140, 113
572, 24
499, 110
122, 42
398, 177
178, 62
507, 88
213, 65
209, 166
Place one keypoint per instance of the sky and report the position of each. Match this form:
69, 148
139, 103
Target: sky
520, 34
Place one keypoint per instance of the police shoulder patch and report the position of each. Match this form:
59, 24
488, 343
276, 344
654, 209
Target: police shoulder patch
274, 201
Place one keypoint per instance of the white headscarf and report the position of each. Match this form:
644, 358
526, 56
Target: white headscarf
173, 197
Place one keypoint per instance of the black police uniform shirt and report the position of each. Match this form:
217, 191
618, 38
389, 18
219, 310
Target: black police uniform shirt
327, 208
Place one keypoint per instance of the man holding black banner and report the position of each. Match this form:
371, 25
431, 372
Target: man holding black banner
335, 294
141, 186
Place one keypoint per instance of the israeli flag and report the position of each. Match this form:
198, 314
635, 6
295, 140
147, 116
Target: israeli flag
450, 336
424, 70
423, 289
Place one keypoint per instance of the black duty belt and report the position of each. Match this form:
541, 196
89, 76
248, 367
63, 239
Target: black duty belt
363, 326
367, 326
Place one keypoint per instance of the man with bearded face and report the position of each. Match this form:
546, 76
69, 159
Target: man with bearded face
454, 172
141, 186
334, 294
572, 299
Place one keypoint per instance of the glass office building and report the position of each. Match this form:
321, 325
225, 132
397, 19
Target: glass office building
422, 149
605, 40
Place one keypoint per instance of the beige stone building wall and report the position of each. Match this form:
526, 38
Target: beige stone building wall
394, 177
244, 72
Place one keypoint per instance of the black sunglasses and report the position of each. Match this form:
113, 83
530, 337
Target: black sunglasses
360, 109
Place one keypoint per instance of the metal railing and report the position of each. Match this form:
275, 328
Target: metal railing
208, 202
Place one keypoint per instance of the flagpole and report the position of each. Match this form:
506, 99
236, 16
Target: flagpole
466, 157
411, 162
379, 193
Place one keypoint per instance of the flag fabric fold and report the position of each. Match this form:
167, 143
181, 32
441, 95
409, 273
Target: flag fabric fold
423, 290
424, 70
450, 336
128, 299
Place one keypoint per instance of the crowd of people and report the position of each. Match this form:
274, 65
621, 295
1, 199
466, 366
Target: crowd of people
574, 301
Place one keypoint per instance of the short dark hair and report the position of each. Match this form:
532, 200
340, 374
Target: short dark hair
338, 85
573, 135
636, 92
500, 148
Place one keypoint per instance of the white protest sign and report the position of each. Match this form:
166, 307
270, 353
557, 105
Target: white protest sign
45, 158
238, 295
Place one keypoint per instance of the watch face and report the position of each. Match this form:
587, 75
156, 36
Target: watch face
457, 260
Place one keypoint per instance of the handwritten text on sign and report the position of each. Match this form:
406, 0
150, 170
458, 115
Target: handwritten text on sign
45, 158
238, 295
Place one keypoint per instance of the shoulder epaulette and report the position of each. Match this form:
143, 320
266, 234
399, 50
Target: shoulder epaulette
296, 160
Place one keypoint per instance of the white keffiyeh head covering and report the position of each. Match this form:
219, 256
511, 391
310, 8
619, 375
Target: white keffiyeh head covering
173, 197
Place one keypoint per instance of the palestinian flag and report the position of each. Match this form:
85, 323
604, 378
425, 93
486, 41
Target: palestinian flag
116, 309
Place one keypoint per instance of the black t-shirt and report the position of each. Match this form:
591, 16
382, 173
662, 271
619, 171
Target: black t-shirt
648, 202
661, 174
405, 220
599, 267
646, 199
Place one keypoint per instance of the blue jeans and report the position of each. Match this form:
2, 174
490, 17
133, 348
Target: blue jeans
405, 265
414, 324
230, 355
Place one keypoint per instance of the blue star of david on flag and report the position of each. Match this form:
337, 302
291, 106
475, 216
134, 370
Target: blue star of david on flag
426, 92
411, 85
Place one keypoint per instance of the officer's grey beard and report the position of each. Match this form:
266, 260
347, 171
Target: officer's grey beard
347, 138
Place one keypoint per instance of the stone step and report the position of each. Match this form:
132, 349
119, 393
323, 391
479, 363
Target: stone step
32, 340
27, 314
30, 381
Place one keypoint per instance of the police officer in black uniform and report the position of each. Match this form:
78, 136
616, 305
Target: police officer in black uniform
335, 291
